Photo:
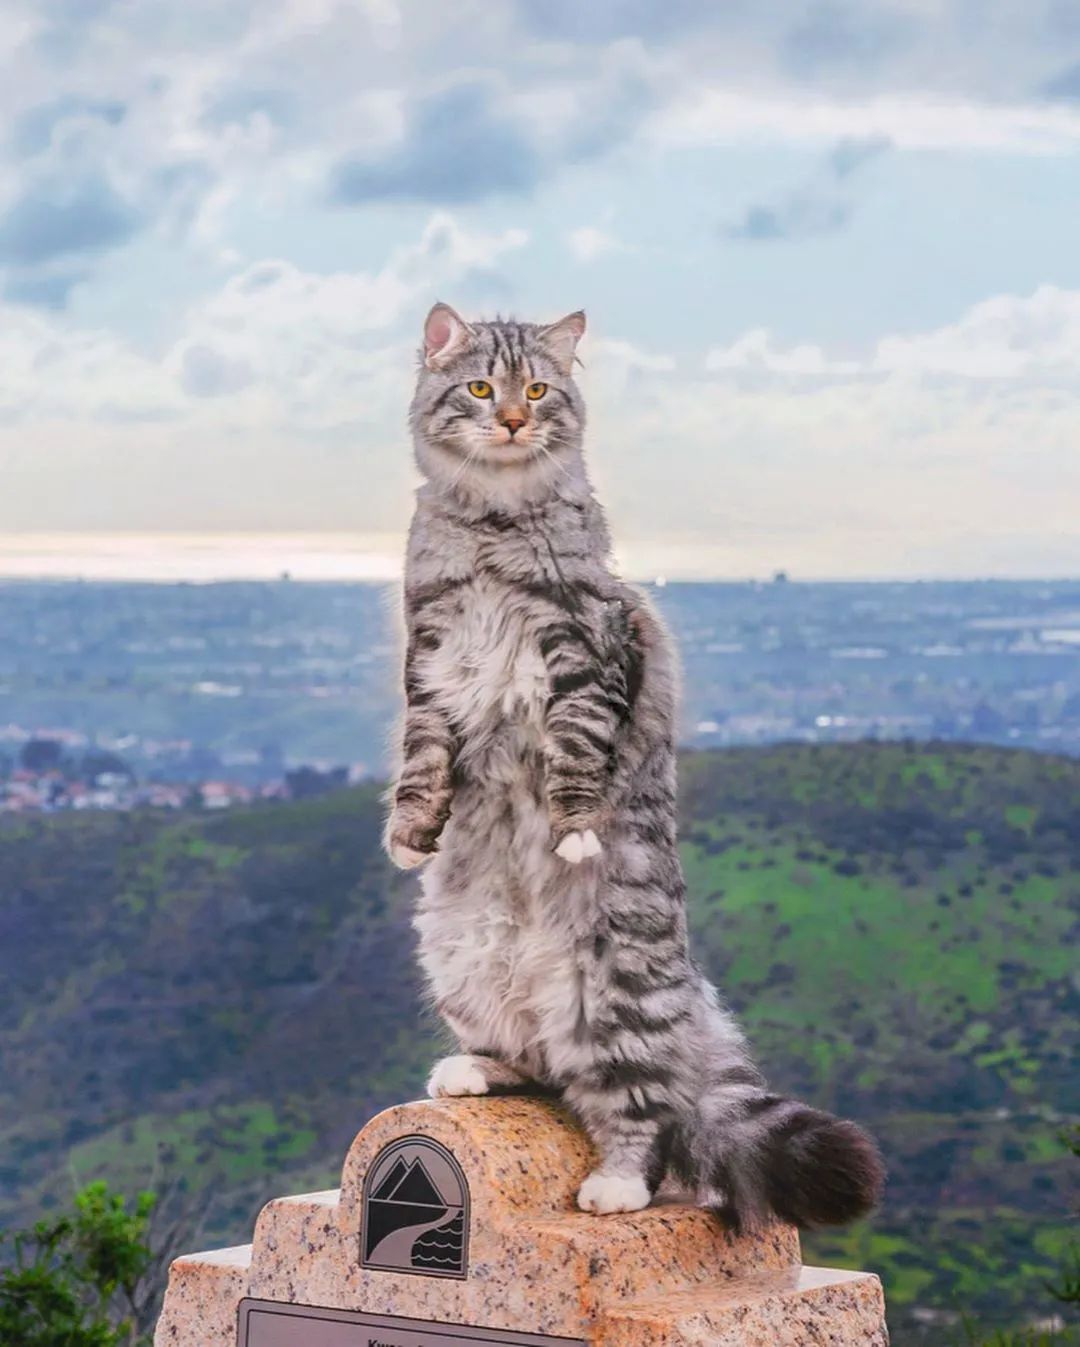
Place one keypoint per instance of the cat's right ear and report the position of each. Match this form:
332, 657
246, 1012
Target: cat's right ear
444, 335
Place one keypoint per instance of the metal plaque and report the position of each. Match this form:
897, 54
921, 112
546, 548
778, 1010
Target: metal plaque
415, 1211
268, 1323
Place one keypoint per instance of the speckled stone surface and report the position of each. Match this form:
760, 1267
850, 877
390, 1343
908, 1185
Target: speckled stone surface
200, 1304
795, 1307
670, 1274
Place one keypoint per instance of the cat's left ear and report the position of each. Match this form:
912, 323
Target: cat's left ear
561, 339
445, 332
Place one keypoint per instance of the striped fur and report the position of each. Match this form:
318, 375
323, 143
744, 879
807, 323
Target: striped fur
541, 708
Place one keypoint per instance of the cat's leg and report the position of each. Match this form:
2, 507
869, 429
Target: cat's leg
472, 1073
465, 949
631, 1061
625, 1077
631, 1155
579, 731
424, 788
475, 1070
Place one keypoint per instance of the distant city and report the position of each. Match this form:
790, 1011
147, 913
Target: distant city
121, 696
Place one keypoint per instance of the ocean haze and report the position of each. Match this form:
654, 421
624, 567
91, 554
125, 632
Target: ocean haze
195, 557
343, 556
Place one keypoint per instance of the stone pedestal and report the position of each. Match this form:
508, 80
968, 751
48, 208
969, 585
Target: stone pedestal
459, 1215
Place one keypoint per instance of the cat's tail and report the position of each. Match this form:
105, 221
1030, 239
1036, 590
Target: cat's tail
751, 1155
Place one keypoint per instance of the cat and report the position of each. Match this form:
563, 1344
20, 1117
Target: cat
538, 785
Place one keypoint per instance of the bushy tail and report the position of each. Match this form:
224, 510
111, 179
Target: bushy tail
751, 1155
821, 1170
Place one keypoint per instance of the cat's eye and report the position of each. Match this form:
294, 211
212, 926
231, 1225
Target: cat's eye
480, 388
535, 392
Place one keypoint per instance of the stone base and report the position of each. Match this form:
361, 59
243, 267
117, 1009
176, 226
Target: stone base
666, 1276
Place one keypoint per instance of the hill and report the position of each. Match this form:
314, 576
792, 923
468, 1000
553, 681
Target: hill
229, 996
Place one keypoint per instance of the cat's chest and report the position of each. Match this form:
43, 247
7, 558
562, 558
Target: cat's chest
489, 669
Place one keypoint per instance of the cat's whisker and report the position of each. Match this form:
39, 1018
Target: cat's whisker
543, 449
467, 462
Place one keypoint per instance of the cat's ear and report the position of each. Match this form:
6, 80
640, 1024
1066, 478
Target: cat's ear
561, 339
444, 335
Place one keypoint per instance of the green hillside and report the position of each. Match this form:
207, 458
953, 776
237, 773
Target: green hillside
229, 996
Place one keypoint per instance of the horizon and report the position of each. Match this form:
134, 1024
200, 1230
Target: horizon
181, 557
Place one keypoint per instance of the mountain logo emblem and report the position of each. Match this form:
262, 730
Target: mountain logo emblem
415, 1211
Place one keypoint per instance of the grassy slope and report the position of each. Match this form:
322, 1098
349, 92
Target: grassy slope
228, 997
897, 928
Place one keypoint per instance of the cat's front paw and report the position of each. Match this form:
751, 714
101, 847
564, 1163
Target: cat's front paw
410, 840
606, 1193
406, 857
576, 847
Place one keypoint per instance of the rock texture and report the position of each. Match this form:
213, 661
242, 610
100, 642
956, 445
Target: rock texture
663, 1277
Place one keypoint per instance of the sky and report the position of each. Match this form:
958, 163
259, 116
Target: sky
828, 253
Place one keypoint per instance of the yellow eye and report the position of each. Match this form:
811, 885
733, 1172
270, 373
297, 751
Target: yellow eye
480, 388
535, 392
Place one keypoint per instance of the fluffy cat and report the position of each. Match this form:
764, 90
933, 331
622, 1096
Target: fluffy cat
538, 783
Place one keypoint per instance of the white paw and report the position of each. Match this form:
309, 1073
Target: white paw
571, 848
590, 844
405, 858
456, 1076
605, 1193
577, 847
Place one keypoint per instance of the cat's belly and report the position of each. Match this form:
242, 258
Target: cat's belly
500, 925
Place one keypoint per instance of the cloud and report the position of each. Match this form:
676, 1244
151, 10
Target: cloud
34, 129
482, 138
754, 353
950, 451
51, 373
42, 289
626, 360
458, 146
704, 116
280, 401
608, 109
288, 347
946, 451
1029, 340
822, 205
587, 243
1034, 339
850, 155
238, 105
53, 220
595, 24
1064, 86
200, 114
218, 128
837, 37
206, 373
305, 343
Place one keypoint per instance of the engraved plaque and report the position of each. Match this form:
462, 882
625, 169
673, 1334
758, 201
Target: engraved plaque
268, 1323
415, 1211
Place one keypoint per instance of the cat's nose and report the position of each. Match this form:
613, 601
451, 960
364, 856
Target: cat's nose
513, 424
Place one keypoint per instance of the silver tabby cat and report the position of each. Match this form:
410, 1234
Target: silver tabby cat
538, 783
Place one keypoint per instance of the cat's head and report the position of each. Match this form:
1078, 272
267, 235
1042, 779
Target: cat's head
497, 416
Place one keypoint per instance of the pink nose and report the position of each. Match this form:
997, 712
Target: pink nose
513, 424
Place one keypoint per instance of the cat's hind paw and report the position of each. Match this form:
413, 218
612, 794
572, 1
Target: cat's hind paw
606, 1193
457, 1076
577, 847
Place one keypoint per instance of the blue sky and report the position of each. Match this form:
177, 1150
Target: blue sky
828, 253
